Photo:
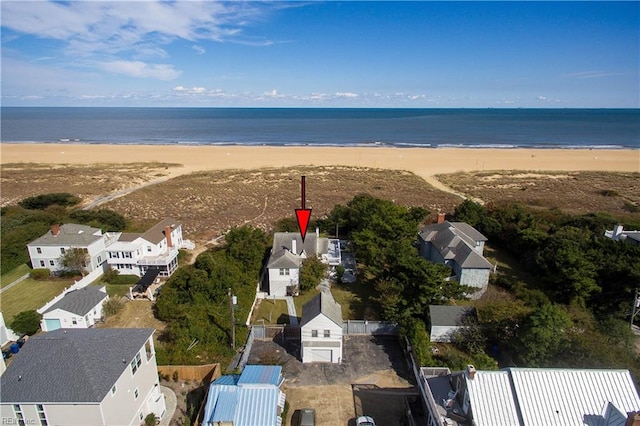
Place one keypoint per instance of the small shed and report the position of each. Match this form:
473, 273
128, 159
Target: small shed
321, 330
77, 309
446, 320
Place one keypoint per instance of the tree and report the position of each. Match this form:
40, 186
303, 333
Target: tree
544, 335
75, 260
311, 272
41, 202
26, 322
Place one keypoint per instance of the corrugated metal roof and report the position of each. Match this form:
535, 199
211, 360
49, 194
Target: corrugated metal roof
566, 397
244, 406
492, 399
559, 397
260, 374
229, 379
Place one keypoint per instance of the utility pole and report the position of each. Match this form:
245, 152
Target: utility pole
233, 300
635, 308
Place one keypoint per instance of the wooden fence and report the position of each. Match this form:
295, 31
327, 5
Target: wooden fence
199, 373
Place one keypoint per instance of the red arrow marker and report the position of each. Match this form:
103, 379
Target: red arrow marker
303, 214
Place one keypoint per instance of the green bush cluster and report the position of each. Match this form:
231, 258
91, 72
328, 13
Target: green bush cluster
40, 274
41, 202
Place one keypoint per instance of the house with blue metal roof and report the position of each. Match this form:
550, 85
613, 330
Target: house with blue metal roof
252, 398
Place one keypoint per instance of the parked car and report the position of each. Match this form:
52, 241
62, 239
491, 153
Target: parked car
365, 421
307, 417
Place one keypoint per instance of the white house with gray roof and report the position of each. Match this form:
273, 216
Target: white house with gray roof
75, 309
83, 377
45, 251
321, 330
444, 321
287, 255
460, 247
531, 397
157, 248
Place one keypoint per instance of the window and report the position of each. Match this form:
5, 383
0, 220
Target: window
73, 321
284, 271
141, 416
149, 249
52, 263
135, 394
135, 363
113, 390
17, 411
39, 250
99, 259
327, 333
42, 415
61, 250
314, 333
42, 263
127, 255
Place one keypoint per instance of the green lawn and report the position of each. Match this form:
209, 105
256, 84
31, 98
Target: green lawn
30, 295
13, 275
272, 312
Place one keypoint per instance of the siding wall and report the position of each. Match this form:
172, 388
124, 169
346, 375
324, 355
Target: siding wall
278, 283
321, 323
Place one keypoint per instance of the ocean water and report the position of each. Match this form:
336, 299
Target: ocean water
429, 128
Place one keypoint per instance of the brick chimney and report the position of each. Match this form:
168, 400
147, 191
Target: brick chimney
55, 229
441, 217
633, 419
167, 234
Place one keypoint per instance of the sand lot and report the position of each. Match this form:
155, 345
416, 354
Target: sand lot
373, 379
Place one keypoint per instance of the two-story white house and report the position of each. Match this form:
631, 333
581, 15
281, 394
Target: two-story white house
460, 247
75, 309
288, 253
321, 330
45, 251
83, 377
134, 254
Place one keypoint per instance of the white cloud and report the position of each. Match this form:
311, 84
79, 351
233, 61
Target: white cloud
346, 95
191, 91
141, 69
199, 49
592, 74
542, 98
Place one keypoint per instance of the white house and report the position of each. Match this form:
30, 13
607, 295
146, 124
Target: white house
287, 254
619, 234
531, 397
6, 334
321, 330
446, 320
45, 252
459, 246
76, 309
249, 399
134, 254
86, 377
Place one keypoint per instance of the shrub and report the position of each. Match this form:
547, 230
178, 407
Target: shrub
40, 274
175, 376
150, 420
26, 322
110, 276
41, 202
112, 306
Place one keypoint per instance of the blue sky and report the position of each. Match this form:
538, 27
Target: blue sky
321, 54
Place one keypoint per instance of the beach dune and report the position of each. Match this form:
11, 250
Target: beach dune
424, 162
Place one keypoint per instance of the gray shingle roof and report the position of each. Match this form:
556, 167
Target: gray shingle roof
70, 235
156, 234
322, 303
71, 365
449, 315
284, 240
455, 241
79, 302
284, 259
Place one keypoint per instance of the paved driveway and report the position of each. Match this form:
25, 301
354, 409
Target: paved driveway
373, 379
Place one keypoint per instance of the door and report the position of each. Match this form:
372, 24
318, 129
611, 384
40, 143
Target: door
52, 324
321, 355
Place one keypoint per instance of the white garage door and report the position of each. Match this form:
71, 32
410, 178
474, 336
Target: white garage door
321, 355
52, 324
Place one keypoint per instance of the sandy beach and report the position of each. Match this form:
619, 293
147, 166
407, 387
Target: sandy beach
423, 162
